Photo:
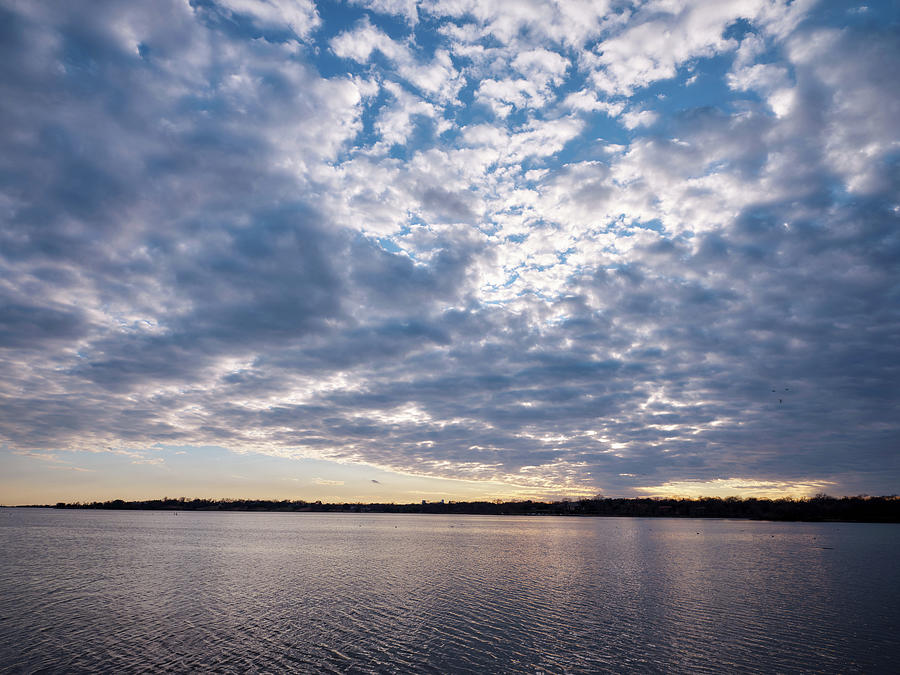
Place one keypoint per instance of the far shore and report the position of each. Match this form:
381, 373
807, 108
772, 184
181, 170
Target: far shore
813, 509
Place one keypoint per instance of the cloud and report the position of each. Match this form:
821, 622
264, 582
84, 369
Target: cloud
298, 15
152, 461
491, 243
570, 23
77, 469
660, 38
359, 43
405, 8
639, 118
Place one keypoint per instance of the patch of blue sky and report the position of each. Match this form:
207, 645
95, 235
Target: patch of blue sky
368, 135
389, 244
337, 17
423, 135
601, 131
655, 224
470, 112
563, 256
393, 25
427, 38
738, 30
522, 116
837, 13
394, 243
512, 278
701, 84
329, 65
488, 227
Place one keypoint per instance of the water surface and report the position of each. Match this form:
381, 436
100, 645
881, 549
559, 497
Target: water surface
136, 591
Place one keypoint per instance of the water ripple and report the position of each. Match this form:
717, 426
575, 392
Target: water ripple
138, 592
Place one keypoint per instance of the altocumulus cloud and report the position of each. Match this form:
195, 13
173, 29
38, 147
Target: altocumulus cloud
571, 247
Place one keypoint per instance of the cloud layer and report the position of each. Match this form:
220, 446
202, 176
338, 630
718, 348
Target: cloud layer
570, 247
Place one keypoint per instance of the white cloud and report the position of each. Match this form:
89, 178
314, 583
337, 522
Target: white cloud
541, 66
298, 15
751, 47
405, 8
536, 139
504, 96
639, 118
437, 79
663, 37
570, 23
359, 43
587, 101
395, 122
539, 71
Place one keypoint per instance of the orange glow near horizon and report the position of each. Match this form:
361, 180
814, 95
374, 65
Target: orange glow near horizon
737, 487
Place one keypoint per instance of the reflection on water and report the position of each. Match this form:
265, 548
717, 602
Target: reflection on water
149, 591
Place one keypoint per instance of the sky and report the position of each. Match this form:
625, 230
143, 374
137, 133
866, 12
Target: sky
389, 250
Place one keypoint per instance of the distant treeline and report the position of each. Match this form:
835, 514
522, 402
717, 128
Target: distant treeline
818, 508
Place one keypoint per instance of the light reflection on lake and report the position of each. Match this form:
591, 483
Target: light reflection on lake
125, 591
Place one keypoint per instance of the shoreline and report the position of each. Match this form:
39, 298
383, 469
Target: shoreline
816, 509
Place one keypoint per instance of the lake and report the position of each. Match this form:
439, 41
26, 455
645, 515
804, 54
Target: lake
149, 591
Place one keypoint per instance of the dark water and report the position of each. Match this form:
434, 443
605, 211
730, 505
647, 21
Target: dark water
241, 592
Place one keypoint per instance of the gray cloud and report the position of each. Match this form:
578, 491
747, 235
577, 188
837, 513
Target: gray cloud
197, 248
